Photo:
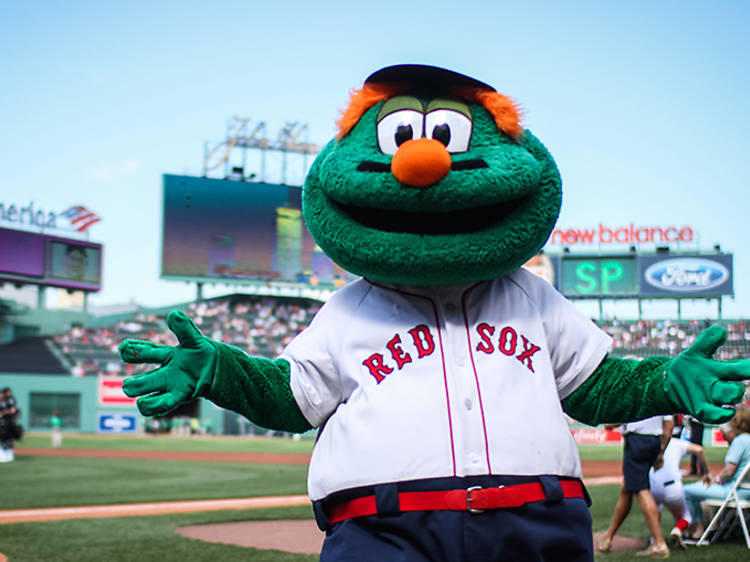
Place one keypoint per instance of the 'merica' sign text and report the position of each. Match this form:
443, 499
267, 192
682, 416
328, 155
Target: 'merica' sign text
27, 215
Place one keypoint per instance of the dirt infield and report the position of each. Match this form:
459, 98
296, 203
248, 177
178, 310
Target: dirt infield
275, 535
140, 509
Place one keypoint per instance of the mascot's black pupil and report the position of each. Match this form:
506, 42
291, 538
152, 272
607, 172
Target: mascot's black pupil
403, 134
442, 133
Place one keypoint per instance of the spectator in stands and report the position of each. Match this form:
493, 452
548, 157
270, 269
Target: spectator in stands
645, 442
666, 483
668, 337
737, 433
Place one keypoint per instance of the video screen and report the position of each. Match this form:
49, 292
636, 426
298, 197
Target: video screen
21, 253
41, 259
76, 264
240, 231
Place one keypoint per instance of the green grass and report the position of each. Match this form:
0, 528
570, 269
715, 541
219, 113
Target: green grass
168, 443
715, 455
257, 445
39, 481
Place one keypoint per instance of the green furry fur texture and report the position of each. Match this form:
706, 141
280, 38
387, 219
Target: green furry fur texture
257, 388
469, 237
621, 390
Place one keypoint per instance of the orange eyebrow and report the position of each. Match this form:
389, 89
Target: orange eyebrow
506, 113
360, 101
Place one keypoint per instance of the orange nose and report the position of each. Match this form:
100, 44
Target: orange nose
421, 162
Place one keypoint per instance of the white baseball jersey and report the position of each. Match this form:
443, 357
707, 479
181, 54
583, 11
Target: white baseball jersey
648, 426
425, 382
676, 449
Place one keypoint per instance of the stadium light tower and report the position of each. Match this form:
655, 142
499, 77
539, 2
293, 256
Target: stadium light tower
245, 135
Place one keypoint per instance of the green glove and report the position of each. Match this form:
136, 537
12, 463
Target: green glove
186, 371
701, 386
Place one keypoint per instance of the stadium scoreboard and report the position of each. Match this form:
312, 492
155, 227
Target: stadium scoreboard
655, 275
240, 232
41, 259
599, 276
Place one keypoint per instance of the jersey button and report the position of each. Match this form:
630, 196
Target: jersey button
473, 458
468, 404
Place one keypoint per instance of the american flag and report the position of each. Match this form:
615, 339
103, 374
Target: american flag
80, 217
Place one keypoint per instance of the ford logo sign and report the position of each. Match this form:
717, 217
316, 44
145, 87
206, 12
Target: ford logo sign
686, 274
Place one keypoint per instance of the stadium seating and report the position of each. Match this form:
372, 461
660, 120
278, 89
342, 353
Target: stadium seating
669, 337
32, 355
264, 325
259, 325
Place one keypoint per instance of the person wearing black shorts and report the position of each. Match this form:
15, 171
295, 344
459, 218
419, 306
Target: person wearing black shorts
645, 442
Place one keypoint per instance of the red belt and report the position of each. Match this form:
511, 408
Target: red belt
475, 499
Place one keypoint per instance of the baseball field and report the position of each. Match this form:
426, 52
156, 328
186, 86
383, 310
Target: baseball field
153, 494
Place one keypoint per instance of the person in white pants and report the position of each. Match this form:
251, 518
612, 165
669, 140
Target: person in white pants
667, 489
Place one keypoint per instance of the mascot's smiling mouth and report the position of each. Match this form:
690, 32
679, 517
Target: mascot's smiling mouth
462, 221
472, 164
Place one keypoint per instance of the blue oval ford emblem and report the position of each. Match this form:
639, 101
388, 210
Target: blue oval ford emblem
686, 274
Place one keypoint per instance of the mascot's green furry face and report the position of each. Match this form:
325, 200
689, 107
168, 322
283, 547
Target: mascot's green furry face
431, 181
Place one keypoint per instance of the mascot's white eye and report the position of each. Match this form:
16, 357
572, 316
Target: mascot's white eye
451, 128
398, 127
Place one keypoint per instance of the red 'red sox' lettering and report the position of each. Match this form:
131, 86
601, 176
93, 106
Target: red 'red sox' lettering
423, 340
424, 344
507, 344
398, 353
508, 339
529, 349
377, 368
485, 332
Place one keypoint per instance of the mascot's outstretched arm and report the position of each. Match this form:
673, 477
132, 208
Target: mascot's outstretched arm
693, 383
256, 387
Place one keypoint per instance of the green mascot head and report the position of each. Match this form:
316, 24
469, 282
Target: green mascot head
431, 181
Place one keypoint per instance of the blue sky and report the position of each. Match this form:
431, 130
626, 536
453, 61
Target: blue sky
643, 104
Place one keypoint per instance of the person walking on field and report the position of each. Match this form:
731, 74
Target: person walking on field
645, 442
56, 423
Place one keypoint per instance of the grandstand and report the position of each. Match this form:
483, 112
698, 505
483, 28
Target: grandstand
264, 325
642, 338
258, 325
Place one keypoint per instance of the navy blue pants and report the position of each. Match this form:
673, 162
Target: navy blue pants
638, 457
558, 530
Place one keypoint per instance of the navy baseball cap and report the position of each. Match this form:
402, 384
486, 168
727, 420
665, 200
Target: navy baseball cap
420, 76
